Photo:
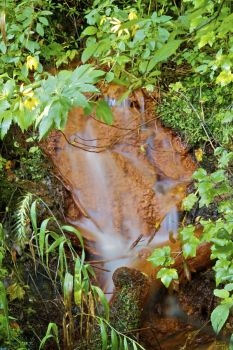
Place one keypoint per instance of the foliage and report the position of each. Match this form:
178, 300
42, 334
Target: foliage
10, 336
134, 42
184, 50
46, 103
30, 97
215, 187
21, 224
47, 240
131, 44
198, 110
139, 47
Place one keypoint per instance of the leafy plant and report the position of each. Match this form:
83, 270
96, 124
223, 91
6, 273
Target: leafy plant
78, 289
9, 337
210, 188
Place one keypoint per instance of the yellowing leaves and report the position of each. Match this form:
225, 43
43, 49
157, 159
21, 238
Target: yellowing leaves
30, 103
199, 154
32, 63
15, 291
208, 38
224, 78
117, 27
132, 15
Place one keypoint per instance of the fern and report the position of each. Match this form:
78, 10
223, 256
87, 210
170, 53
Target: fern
22, 219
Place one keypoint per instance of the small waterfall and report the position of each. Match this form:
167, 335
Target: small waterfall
122, 190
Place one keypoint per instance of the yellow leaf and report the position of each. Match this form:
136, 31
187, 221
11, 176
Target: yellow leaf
15, 291
132, 15
32, 63
224, 78
199, 154
103, 20
30, 103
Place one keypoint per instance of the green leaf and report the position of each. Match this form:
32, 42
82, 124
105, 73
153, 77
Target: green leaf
221, 293
75, 231
224, 78
190, 249
219, 316
189, 201
229, 287
103, 300
52, 332
44, 21
55, 244
91, 30
6, 123
114, 340
88, 52
109, 77
161, 257
23, 118
104, 336
45, 126
231, 343
199, 174
104, 112
33, 216
164, 53
8, 88
126, 347
42, 232
4, 105
39, 29
167, 276
88, 109
68, 285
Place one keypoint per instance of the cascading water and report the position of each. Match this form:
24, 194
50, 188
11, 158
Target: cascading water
127, 179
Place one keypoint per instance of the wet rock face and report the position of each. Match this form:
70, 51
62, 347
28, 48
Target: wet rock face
131, 290
174, 319
125, 179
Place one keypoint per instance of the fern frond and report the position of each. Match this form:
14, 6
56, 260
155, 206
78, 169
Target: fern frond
22, 219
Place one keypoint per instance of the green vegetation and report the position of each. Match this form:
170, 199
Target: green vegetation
184, 50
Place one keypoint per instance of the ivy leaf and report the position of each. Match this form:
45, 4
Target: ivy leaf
219, 316
104, 112
189, 201
199, 174
167, 276
161, 257
190, 248
224, 78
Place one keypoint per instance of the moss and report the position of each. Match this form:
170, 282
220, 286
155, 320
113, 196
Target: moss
127, 304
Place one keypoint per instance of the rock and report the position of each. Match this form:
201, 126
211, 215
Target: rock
131, 290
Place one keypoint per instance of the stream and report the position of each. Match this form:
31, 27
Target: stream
127, 181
